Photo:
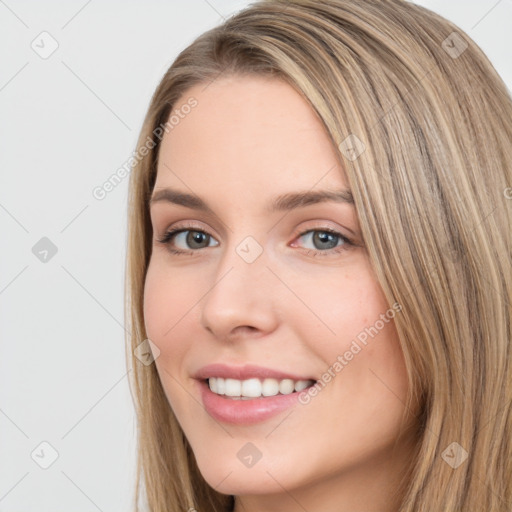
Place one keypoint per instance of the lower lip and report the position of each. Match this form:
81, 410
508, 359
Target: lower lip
244, 412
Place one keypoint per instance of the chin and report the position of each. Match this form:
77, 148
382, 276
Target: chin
230, 479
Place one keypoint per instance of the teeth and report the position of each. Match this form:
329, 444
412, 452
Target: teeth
286, 387
302, 384
233, 387
255, 388
251, 388
270, 387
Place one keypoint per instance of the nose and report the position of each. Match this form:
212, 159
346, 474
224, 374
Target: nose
240, 302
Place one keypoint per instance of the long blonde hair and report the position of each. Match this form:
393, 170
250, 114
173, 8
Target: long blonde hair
423, 126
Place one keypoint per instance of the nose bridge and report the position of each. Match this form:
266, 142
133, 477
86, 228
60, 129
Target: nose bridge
240, 295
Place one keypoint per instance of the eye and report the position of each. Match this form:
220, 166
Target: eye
185, 240
322, 240
317, 241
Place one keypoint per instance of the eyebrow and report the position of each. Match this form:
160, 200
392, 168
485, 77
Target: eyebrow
284, 202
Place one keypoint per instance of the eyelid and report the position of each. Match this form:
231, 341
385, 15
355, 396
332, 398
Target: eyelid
322, 230
346, 242
325, 225
170, 233
189, 225
319, 226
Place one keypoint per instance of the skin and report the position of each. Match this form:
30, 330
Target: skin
296, 308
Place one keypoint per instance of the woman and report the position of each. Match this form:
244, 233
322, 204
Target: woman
320, 261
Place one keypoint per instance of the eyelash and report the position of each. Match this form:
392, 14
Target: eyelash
169, 235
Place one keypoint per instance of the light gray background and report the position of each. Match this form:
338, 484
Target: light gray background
67, 122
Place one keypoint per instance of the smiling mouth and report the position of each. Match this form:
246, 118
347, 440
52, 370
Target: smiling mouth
255, 388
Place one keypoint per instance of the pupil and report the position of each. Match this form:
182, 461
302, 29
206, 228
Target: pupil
324, 240
195, 239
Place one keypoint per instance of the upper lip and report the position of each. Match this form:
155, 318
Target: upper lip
248, 371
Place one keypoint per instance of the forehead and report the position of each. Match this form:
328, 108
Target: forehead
253, 131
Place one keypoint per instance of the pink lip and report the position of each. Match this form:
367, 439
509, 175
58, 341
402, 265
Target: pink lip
244, 372
244, 412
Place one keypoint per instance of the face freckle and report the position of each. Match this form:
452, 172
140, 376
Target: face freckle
246, 298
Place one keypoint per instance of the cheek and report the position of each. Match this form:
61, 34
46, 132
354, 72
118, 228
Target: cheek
169, 296
341, 307
169, 302
156, 295
350, 318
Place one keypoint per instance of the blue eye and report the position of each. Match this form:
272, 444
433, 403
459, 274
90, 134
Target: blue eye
316, 241
323, 240
188, 239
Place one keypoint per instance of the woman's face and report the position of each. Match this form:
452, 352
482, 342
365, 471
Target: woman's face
267, 288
